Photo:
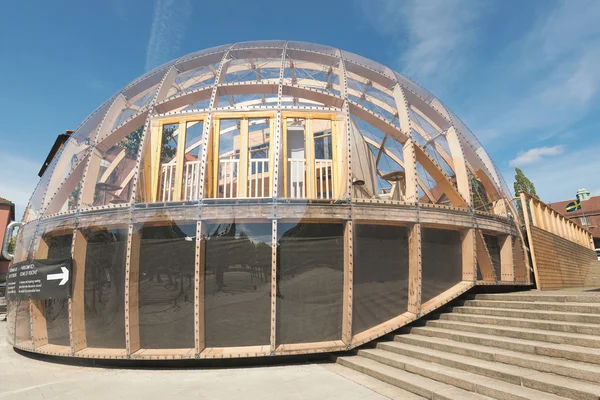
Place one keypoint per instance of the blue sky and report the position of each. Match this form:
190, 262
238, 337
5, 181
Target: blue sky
523, 75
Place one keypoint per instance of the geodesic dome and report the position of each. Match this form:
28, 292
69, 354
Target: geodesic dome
262, 198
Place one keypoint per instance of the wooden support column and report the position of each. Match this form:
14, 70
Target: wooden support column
37, 312
309, 151
507, 264
414, 269
242, 183
469, 255
76, 302
180, 160
273, 341
483, 258
132, 274
199, 336
348, 279
524, 203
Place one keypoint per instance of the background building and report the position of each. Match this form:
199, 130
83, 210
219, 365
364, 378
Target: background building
7, 215
588, 216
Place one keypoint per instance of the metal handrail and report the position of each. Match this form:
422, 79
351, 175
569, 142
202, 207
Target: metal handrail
6, 242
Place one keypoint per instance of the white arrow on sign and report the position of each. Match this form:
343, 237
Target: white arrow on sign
64, 275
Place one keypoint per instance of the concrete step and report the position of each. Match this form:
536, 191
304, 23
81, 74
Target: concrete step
533, 314
553, 297
574, 339
575, 353
486, 386
572, 369
570, 327
584, 308
414, 383
374, 384
545, 382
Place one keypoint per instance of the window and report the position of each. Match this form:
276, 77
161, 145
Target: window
585, 220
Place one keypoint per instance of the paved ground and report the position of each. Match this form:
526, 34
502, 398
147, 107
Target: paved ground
29, 378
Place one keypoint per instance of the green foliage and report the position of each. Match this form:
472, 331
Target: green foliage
523, 184
481, 201
11, 244
132, 142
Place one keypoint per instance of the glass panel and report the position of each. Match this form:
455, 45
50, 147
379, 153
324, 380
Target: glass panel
323, 145
104, 287
229, 157
441, 252
237, 284
112, 170
22, 327
259, 138
380, 277
57, 310
168, 162
310, 280
491, 242
192, 159
296, 158
166, 286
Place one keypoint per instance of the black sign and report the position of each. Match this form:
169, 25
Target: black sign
39, 280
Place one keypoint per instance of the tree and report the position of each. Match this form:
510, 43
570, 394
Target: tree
523, 184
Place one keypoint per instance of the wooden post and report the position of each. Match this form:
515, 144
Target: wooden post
242, 179
483, 258
348, 287
309, 152
76, 302
507, 265
132, 273
469, 255
414, 269
180, 160
524, 203
199, 279
39, 329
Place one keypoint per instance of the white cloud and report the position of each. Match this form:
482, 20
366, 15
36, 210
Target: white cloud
18, 180
534, 155
433, 37
167, 32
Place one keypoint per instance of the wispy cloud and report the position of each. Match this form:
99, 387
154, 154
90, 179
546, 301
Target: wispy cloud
167, 32
534, 155
18, 180
432, 38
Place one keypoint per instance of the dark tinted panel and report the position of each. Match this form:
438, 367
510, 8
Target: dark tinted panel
237, 284
310, 279
166, 291
380, 278
105, 288
57, 311
441, 263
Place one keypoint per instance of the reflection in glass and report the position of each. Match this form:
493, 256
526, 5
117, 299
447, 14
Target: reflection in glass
380, 279
310, 279
57, 310
237, 284
104, 288
168, 162
259, 136
229, 158
22, 330
166, 286
192, 160
441, 261
296, 158
323, 146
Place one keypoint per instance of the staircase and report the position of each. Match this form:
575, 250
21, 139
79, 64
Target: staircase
525, 345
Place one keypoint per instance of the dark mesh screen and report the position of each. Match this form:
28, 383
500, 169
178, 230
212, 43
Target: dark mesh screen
310, 279
380, 278
57, 311
166, 292
237, 285
493, 247
441, 261
104, 288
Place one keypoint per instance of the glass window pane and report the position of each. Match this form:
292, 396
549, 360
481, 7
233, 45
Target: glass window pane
237, 284
259, 137
441, 261
296, 158
323, 142
104, 287
166, 286
192, 159
380, 275
168, 162
310, 280
229, 157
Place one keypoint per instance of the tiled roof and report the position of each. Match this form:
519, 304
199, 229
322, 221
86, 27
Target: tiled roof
592, 205
4, 201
